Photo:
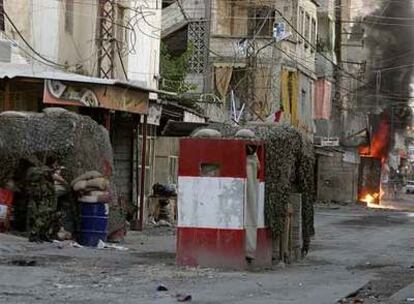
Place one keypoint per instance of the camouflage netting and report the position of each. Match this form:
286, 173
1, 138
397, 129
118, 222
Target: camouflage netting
289, 168
77, 142
307, 188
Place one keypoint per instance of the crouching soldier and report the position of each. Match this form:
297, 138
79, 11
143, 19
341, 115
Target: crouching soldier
43, 219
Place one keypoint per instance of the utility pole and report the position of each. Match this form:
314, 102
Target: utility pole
106, 38
251, 77
338, 107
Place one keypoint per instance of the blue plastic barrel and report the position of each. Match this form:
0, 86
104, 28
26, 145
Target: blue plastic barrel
94, 224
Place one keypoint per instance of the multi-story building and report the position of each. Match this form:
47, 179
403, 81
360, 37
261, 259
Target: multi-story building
239, 64
325, 68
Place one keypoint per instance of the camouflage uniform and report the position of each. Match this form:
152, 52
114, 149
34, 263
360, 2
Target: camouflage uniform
43, 220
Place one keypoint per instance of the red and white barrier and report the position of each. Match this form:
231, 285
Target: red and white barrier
211, 209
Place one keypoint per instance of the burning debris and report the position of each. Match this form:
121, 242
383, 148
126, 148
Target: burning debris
389, 43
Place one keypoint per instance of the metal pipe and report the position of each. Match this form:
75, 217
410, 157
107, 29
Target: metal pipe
142, 181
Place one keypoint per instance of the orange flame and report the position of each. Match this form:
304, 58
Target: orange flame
379, 144
370, 198
374, 200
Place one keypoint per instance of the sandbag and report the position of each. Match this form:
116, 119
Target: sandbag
245, 133
54, 110
13, 114
86, 176
207, 133
100, 183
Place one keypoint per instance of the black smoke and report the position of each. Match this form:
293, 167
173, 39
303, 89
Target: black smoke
389, 41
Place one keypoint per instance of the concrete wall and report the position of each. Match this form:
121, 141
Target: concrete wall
337, 179
42, 24
77, 48
19, 12
45, 38
144, 57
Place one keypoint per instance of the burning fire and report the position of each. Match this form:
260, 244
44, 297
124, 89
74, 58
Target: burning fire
370, 198
374, 200
377, 149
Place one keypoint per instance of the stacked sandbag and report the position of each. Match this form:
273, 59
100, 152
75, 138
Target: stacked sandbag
91, 187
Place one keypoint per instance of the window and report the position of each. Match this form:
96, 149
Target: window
261, 20
303, 103
69, 16
230, 18
210, 170
313, 32
238, 84
166, 3
306, 26
301, 20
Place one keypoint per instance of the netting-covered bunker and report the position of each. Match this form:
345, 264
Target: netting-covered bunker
290, 165
76, 142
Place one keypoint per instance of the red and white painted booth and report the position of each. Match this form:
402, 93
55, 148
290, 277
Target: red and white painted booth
211, 204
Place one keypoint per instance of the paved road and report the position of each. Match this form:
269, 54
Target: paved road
353, 246
405, 202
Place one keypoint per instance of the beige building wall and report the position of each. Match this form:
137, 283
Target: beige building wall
20, 12
66, 32
45, 25
77, 35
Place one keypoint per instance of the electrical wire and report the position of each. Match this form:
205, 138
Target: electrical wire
28, 44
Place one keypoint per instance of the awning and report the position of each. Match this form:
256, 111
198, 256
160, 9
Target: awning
38, 71
69, 89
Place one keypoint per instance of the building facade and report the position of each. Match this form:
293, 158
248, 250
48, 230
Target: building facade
239, 67
74, 35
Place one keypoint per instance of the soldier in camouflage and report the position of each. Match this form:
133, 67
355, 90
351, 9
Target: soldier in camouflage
43, 219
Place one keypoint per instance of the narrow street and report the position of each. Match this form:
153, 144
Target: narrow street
354, 247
